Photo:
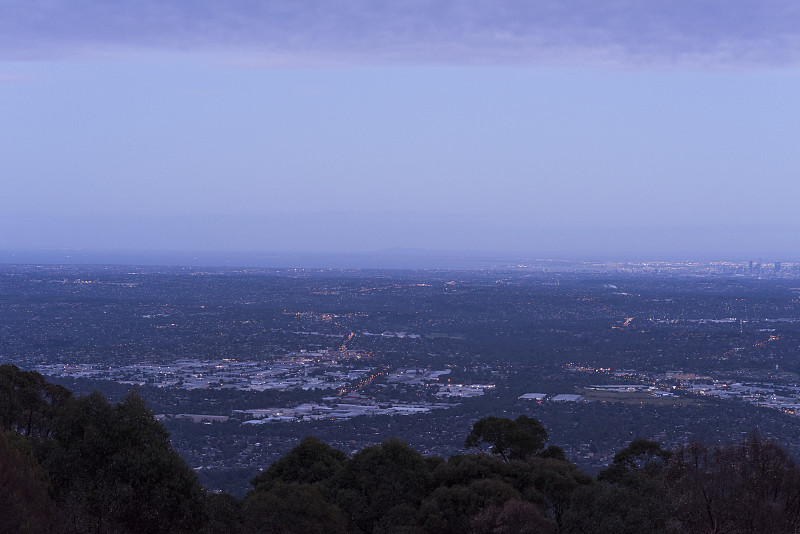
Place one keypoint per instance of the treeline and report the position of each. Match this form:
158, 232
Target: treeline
83, 465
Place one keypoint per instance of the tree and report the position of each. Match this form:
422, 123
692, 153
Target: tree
606, 508
513, 517
555, 481
449, 510
113, 470
641, 455
291, 509
379, 480
28, 402
309, 462
25, 505
223, 513
629, 497
750, 487
512, 440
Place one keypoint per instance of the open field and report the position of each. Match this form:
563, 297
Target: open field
639, 397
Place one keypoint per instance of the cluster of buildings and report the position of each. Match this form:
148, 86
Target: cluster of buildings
768, 395
305, 370
463, 390
344, 372
545, 397
335, 408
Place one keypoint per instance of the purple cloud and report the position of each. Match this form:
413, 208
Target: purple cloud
661, 33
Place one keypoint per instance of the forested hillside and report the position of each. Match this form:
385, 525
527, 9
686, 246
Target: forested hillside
81, 464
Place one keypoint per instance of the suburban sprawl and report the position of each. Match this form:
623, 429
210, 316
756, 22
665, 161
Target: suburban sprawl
239, 364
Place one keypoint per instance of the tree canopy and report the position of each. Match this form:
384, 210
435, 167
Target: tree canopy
73, 465
512, 440
311, 461
753, 486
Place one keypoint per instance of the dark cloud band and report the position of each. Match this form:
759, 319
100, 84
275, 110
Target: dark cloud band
628, 32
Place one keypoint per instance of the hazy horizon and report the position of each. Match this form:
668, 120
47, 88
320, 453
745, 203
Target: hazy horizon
358, 234
601, 245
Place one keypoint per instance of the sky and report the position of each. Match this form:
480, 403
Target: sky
659, 129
